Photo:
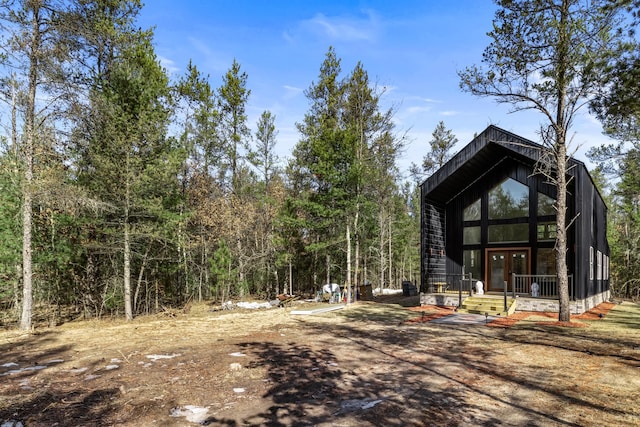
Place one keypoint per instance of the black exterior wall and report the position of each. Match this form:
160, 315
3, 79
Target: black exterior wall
491, 157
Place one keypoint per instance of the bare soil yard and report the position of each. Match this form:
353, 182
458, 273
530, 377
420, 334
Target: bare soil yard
381, 363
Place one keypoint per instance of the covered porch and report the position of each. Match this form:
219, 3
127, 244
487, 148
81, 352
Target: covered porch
525, 292
520, 285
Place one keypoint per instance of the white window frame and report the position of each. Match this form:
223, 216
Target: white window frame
599, 266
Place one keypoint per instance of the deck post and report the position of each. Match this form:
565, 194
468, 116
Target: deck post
505, 296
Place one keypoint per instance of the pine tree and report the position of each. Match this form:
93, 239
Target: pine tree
320, 167
232, 101
129, 163
544, 56
440, 151
36, 54
618, 108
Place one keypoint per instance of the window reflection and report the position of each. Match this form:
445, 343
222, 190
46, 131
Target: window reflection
472, 263
472, 212
471, 236
546, 231
546, 261
509, 199
508, 233
545, 205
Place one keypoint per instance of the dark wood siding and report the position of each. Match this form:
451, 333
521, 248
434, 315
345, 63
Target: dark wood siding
591, 226
433, 243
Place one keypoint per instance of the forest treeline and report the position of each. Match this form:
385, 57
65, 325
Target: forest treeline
124, 191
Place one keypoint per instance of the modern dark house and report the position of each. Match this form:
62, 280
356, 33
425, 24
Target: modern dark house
488, 216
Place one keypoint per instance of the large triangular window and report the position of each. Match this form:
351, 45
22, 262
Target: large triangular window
509, 199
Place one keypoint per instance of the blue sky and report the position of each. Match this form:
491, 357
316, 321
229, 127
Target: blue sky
412, 49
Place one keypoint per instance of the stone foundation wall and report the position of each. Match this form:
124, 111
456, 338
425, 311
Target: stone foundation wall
547, 305
445, 300
524, 303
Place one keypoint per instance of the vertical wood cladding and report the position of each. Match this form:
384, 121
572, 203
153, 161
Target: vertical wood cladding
433, 242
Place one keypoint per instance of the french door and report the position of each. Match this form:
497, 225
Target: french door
501, 263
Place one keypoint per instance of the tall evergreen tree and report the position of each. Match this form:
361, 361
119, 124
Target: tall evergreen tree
197, 114
347, 148
543, 56
129, 159
320, 165
264, 156
442, 143
36, 56
375, 149
232, 97
618, 108
10, 232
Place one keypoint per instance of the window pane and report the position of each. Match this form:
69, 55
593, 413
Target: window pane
509, 233
472, 212
472, 263
546, 231
471, 236
545, 205
546, 261
510, 199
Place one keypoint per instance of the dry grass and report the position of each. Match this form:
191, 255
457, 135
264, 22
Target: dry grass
381, 363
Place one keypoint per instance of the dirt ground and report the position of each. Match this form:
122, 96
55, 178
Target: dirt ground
383, 363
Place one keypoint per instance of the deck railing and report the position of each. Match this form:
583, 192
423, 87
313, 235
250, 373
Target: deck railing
450, 283
460, 284
537, 285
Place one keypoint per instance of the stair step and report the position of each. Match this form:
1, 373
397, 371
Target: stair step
491, 306
487, 313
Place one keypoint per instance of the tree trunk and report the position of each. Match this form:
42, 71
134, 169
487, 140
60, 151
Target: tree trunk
381, 250
564, 314
390, 256
356, 255
27, 197
348, 263
203, 259
139, 282
290, 278
128, 311
328, 261
240, 285
356, 266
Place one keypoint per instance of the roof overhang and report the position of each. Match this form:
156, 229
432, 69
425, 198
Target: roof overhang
485, 152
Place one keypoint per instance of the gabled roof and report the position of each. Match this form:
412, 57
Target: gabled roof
484, 152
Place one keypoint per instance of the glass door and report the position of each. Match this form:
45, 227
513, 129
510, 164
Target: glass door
501, 263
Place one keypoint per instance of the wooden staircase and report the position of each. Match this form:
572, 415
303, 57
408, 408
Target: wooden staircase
488, 305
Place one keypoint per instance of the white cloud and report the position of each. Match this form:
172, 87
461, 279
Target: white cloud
418, 109
168, 65
291, 91
422, 99
216, 61
339, 28
449, 113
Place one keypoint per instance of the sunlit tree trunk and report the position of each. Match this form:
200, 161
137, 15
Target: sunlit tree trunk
27, 191
348, 262
128, 311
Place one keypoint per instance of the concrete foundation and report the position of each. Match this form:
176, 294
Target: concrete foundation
524, 303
